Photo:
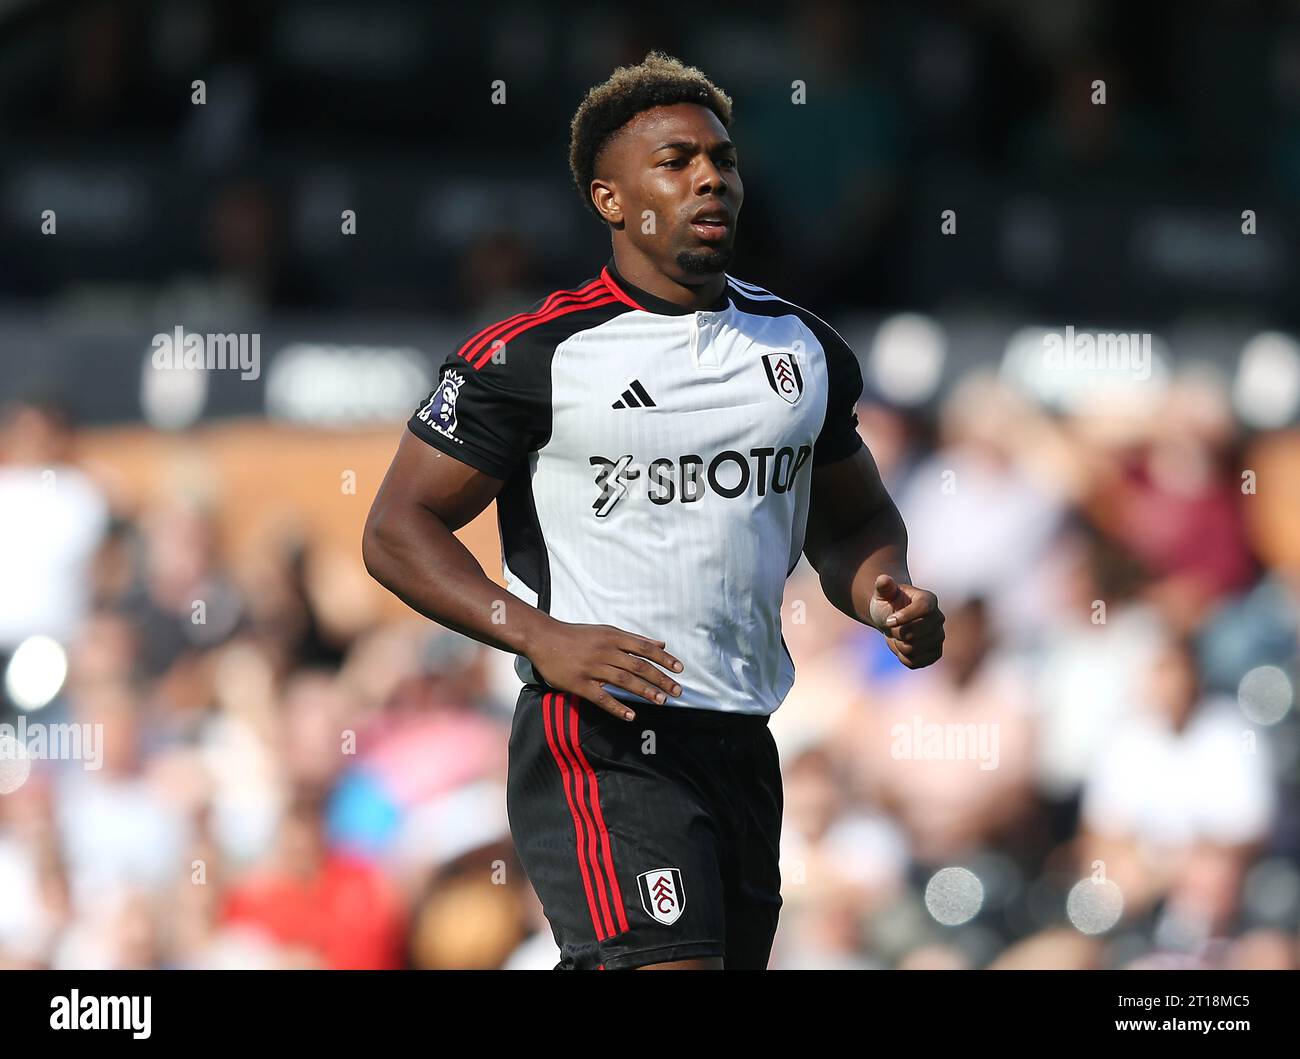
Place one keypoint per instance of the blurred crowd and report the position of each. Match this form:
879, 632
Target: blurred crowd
1101, 772
1109, 746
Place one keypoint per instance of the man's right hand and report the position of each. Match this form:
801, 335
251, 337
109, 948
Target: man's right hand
424, 498
581, 658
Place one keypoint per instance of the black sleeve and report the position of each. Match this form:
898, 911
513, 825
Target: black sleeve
490, 416
839, 436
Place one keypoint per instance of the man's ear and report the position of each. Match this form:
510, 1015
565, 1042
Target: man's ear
605, 199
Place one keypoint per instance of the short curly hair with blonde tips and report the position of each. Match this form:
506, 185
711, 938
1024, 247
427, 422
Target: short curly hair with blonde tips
658, 80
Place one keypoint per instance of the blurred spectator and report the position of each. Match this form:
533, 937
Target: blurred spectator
184, 599
1180, 800
950, 759
1174, 501
979, 521
120, 828
1099, 644
338, 912
55, 519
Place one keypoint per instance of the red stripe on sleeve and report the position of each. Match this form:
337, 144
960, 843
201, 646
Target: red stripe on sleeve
590, 301
489, 335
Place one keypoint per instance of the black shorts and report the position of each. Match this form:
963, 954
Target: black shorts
647, 842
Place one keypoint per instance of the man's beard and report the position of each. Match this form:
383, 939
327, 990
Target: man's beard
706, 261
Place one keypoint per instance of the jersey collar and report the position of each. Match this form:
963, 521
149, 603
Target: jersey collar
643, 299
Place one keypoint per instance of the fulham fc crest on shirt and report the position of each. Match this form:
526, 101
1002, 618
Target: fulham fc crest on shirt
783, 376
662, 895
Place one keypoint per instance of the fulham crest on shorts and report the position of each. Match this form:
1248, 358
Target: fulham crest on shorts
662, 895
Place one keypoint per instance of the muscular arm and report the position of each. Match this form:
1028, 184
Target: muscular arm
857, 543
854, 534
409, 546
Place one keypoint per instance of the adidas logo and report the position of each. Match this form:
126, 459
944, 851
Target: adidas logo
634, 397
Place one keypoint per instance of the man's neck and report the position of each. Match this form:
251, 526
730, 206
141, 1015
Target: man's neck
639, 270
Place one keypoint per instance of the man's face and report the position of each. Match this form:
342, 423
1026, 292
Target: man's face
670, 177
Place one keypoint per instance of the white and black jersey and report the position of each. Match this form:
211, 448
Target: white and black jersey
657, 463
